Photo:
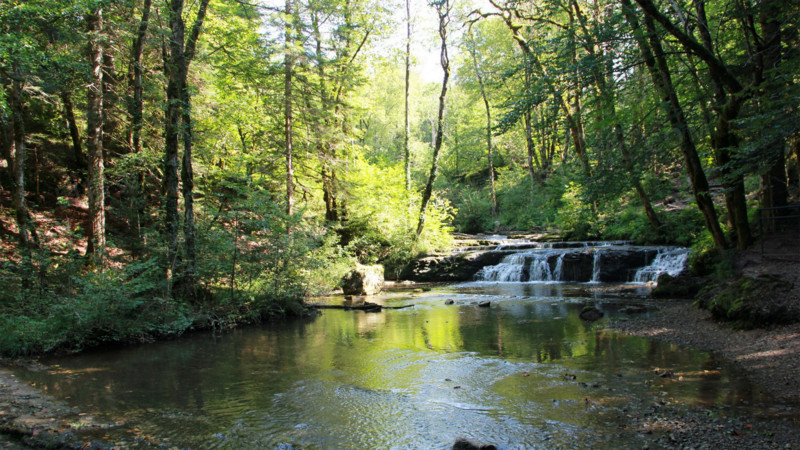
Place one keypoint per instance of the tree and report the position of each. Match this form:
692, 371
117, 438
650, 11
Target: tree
443, 11
96, 245
407, 127
178, 56
288, 112
654, 58
489, 149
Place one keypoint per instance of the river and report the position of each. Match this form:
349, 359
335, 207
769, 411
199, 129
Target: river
525, 371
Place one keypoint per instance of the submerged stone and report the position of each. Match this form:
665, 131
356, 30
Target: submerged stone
590, 314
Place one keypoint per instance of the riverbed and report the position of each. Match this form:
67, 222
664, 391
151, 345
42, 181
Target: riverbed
524, 371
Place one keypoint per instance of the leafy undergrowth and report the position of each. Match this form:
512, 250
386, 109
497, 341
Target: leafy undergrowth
52, 299
68, 307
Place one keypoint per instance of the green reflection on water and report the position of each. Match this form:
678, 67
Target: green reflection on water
525, 371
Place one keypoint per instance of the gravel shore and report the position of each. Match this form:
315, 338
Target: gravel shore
769, 357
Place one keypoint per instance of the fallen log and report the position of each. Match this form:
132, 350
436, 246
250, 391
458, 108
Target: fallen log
366, 306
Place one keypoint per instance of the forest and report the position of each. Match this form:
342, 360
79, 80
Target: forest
169, 165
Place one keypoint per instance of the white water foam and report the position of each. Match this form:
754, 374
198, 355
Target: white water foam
670, 261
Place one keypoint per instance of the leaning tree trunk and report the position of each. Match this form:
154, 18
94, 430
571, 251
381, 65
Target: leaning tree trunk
96, 245
723, 139
79, 159
650, 45
443, 10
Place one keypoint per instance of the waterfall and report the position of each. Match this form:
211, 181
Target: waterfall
596, 266
524, 266
540, 268
579, 262
511, 268
670, 261
557, 274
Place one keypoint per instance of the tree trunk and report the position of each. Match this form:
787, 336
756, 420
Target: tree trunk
96, 245
179, 123
637, 184
6, 142
723, 139
136, 104
659, 71
174, 67
775, 191
493, 196
17, 155
606, 92
79, 163
288, 62
443, 10
407, 127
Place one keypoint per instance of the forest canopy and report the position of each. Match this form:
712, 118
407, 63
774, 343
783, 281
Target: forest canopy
167, 165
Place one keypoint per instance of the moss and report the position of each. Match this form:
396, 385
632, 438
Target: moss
746, 302
676, 287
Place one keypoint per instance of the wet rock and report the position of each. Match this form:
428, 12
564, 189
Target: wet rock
471, 444
485, 304
590, 314
364, 280
461, 266
576, 266
620, 264
449, 301
633, 309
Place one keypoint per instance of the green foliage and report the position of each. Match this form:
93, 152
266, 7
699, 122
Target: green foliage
741, 302
474, 211
59, 304
382, 216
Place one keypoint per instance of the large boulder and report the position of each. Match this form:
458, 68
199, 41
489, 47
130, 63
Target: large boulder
364, 280
681, 286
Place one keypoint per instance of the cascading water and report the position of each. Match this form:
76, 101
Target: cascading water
578, 262
670, 261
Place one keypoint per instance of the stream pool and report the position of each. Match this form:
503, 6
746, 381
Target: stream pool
524, 372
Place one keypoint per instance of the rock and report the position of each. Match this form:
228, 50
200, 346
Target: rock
751, 302
485, 304
615, 265
633, 309
364, 280
449, 301
590, 314
460, 266
681, 286
575, 266
471, 444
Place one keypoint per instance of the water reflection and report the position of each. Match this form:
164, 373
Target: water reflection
525, 371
